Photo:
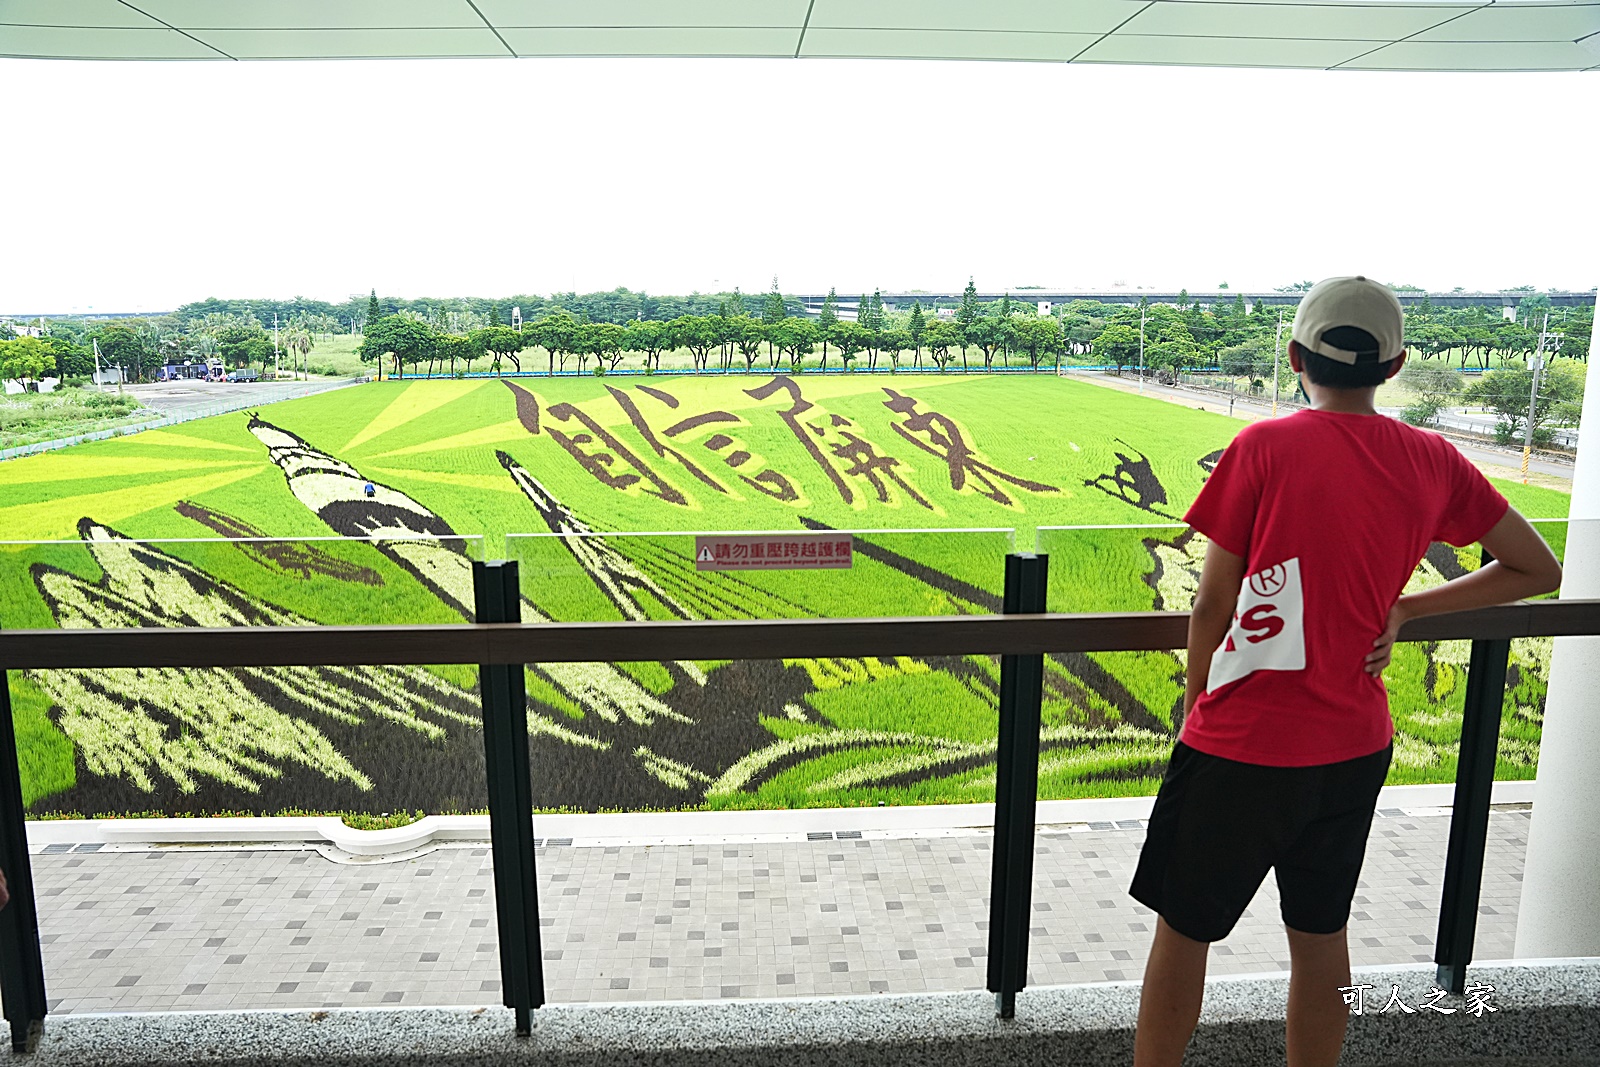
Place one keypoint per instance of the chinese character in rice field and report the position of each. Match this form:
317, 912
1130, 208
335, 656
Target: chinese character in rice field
600, 461
769, 482
827, 438
940, 436
1132, 480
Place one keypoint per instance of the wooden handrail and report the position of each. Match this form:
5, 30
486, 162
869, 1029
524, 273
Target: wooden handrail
568, 642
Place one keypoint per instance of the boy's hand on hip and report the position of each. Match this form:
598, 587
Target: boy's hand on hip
1383, 646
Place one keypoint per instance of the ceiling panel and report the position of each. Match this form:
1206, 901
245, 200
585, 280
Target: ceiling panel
1222, 51
936, 44
1430, 34
1521, 22
1350, 22
28, 41
354, 44
312, 14
1469, 55
621, 13
667, 41
1051, 16
72, 13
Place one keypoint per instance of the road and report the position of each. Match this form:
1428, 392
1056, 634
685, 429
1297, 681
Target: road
1544, 470
187, 398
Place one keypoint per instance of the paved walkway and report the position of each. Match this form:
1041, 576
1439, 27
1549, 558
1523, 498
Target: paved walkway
186, 928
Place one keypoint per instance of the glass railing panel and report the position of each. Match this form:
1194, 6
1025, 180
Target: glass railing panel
726, 733
375, 741
842, 909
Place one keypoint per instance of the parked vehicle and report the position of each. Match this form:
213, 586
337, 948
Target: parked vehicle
243, 374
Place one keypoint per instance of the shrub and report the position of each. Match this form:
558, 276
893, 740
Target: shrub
1422, 412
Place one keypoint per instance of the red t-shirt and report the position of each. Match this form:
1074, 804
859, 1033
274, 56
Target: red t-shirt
1332, 513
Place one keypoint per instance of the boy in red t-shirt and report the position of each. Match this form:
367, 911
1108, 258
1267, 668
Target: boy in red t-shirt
1315, 523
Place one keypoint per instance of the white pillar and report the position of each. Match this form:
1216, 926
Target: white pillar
1560, 911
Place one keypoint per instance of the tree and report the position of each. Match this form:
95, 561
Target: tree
795, 337
1433, 384
556, 333
826, 320
968, 312
374, 313
456, 346
124, 346
849, 338
1507, 392
604, 340
697, 334
25, 359
772, 310
989, 334
942, 335
1246, 360
501, 342
892, 342
648, 338
747, 335
298, 342
1039, 338
405, 340
1118, 345
917, 327
71, 360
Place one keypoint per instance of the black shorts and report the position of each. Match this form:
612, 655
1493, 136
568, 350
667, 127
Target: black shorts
1219, 824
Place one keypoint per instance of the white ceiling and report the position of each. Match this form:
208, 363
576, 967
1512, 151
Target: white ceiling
1432, 35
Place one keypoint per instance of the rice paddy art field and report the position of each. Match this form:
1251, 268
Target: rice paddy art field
595, 487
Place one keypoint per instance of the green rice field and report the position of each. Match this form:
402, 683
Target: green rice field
595, 486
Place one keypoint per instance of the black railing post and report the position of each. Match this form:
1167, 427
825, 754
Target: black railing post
1469, 813
505, 750
1016, 792
21, 966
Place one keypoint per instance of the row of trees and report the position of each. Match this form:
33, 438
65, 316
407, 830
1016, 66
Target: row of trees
734, 335
730, 329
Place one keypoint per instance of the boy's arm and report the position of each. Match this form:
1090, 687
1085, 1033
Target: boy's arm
1214, 601
1523, 566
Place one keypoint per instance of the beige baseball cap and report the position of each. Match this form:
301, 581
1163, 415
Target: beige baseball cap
1356, 302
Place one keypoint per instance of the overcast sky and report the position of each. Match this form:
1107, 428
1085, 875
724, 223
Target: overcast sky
156, 184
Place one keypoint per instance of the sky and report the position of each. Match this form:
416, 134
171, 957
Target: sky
161, 183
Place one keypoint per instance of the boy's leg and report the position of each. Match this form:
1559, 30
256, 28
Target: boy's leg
1317, 879
1169, 1003
1319, 969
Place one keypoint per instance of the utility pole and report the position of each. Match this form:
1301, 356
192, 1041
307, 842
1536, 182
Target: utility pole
1141, 348
98, 384
275, 370
1533, 397
1277, 338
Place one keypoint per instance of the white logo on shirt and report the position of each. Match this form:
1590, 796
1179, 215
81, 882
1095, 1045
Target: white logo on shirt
1268, 632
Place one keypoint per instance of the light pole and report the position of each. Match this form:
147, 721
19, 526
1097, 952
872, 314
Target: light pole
1533, 396
1277, 339
1141, 348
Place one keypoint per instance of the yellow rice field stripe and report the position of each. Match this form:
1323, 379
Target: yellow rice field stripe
412, 403
168, 439
70, 467
499, 433
57, 520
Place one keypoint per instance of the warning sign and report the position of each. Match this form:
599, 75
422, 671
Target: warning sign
756, 552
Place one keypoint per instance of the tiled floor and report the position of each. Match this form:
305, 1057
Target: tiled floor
188, 928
